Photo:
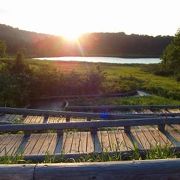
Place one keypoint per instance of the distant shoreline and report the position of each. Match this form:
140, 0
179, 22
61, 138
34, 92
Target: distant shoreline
109, 60
113, 56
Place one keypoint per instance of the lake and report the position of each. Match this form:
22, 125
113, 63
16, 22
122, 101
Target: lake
115, 60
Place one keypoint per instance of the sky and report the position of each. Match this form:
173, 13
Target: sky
74, 17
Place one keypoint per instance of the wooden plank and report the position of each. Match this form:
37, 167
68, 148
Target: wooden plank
37, 119
52, 147
31, 121
50, 119
36, 112
151, 140
142, 139
120, 141
83, 142
60, 119
176, 127
174, 132
28, 119
10, 145
22, 145
90, 143
160, 138
3, 147
3, 137
105, 141
89, 124
32, 142
131, 170
138, 170
68, 142
73, 119
17, 172
11, 117
13, 150
45, 146
174, 110
39, 144
76, 143
128, 142
113, 141
134, 140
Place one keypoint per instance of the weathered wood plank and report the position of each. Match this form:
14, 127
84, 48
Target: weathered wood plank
17, 172
138, 170
32, 142
36, 112
105, 141
39, 144
113, 141
52, 147
141, 139
77, 119
128, 142
120, 141
27, 119
173, 110
159, 138
22, 145
90, 143
76, 143
83, 142
89, 124
7, 144
17, 142
67, 146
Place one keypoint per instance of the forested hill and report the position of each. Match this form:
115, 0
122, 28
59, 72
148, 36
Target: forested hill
94, 44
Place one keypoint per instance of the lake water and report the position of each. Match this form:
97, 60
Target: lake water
115, 60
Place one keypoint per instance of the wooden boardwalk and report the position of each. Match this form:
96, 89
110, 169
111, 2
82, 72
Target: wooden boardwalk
72, 142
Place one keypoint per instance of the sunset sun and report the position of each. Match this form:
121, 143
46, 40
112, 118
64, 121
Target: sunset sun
71, 35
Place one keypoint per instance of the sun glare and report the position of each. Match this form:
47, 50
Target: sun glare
71, 35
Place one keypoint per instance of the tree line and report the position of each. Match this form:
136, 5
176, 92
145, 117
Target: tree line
92, 44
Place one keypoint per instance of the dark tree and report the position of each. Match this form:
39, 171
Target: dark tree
2, 49
171, 55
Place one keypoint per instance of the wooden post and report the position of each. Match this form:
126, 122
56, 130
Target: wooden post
127, 129
161, 127
67, 118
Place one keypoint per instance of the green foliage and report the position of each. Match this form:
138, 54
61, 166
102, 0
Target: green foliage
123, 84
171, 56
15, 80
25, 80
157, 152
161, 152
2, 49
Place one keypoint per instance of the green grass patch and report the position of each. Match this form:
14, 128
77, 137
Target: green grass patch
144, 100
157, 152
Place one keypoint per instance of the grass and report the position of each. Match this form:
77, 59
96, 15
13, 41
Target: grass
124, 77
118, 78
157, 152
146, 100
